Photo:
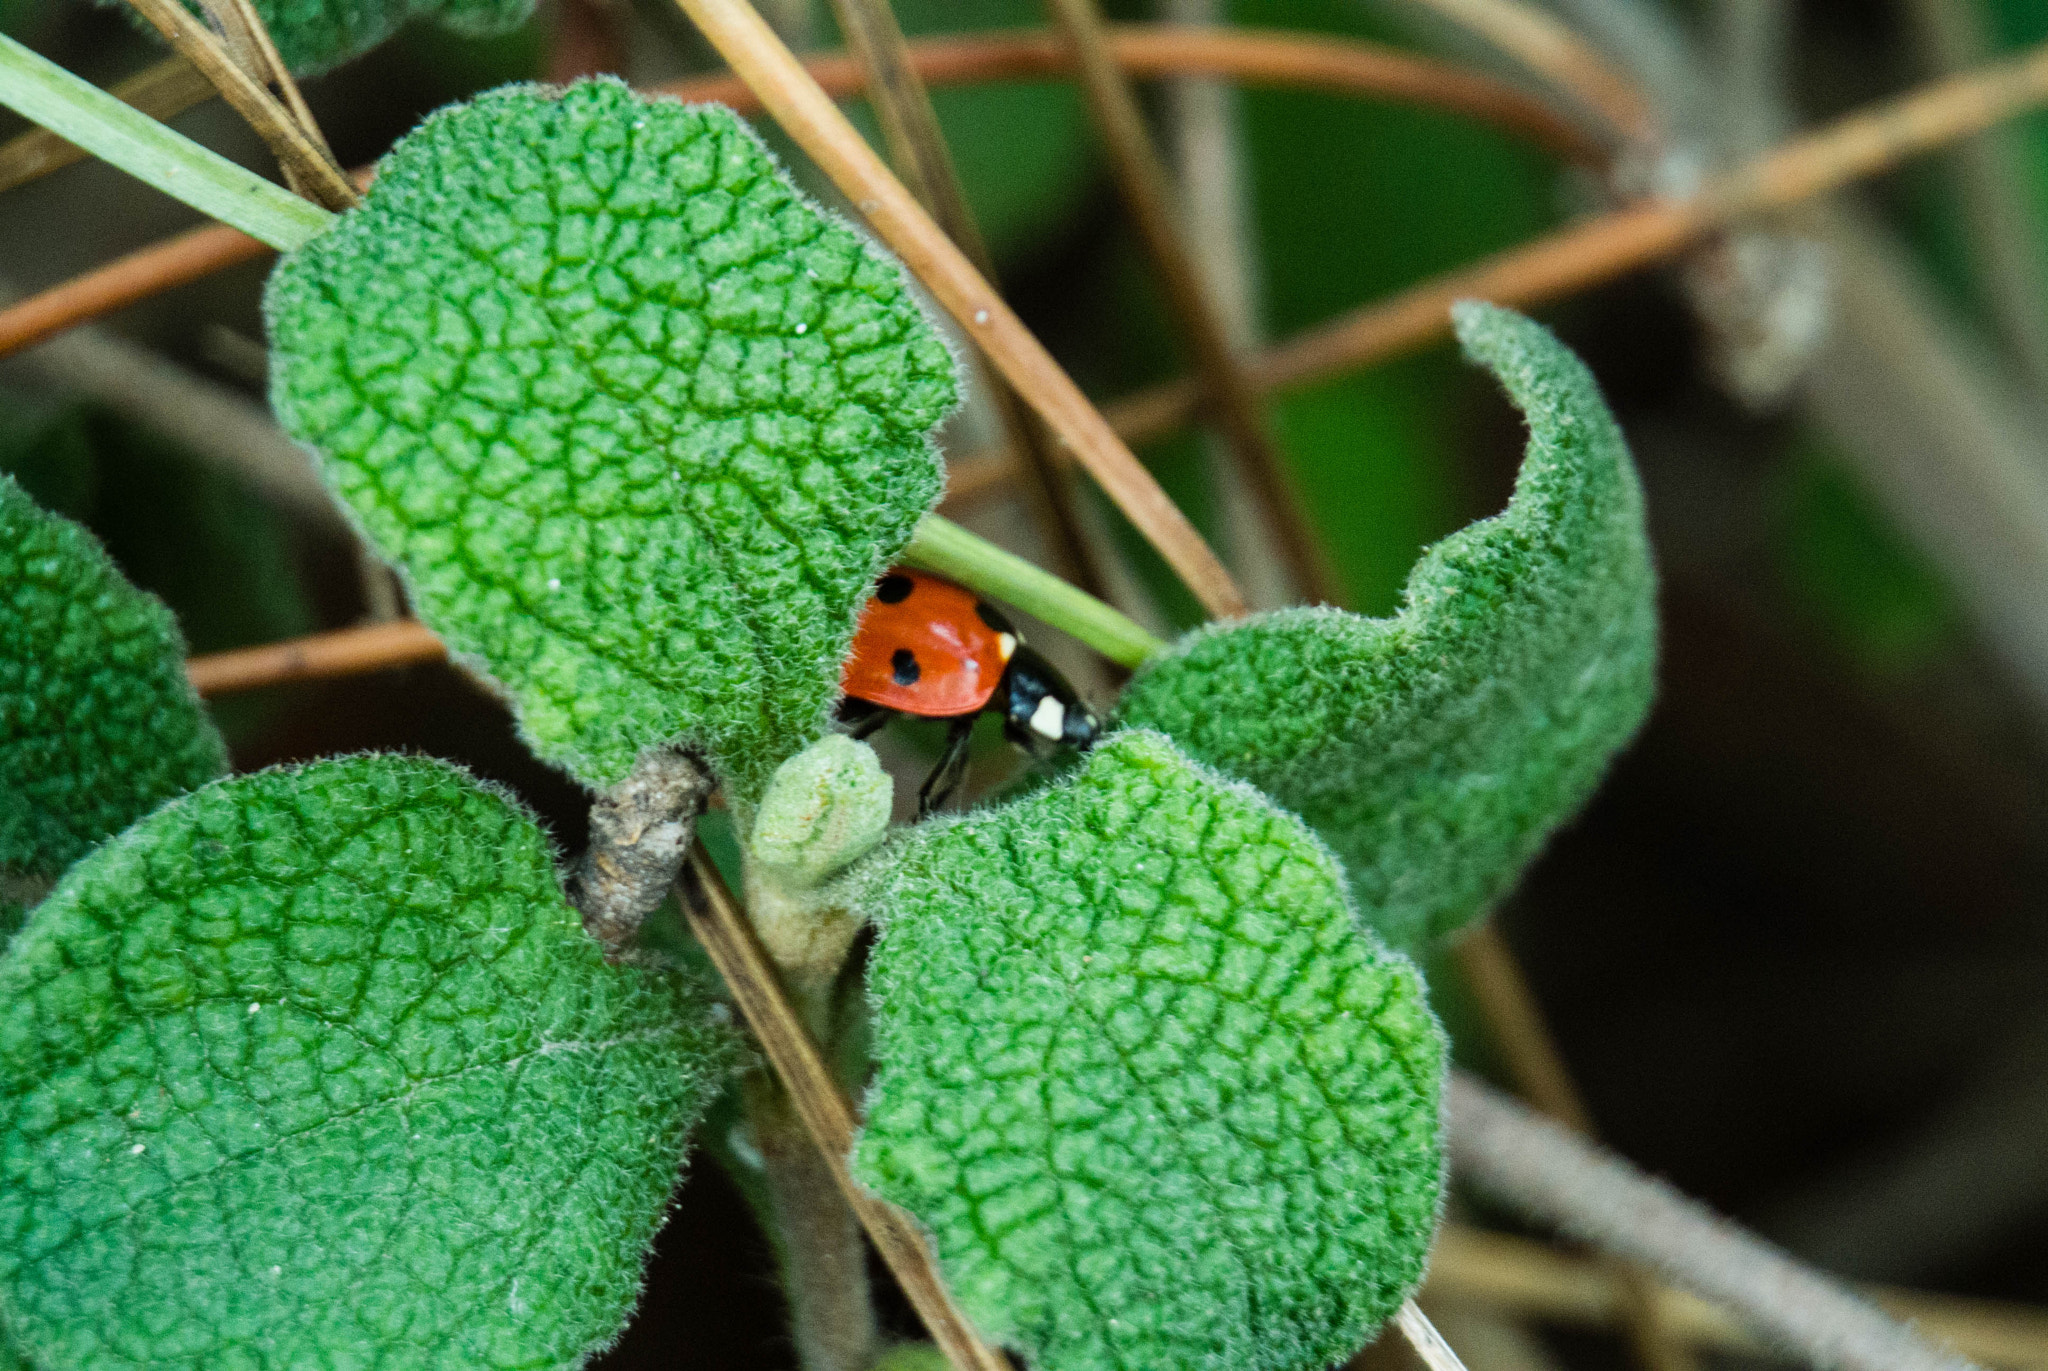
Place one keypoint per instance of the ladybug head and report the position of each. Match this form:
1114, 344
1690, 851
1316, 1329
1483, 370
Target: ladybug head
1040, 710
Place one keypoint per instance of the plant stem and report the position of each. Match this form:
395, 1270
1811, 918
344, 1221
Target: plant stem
822, 1108
82, 113
1523, 1278
1249, 55
1550, 1175
818, 1239
162, 91
943, 546
918, 151
808, 115
1150, 202
1547, 47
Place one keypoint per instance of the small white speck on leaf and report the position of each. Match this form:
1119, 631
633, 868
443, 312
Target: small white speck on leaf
803, 329
256, 1008
554, 583
138, 1149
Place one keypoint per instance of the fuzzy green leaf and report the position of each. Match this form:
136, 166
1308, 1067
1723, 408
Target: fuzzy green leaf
1436, 750
639, 423
1160, 1099
317, 1068
98, 724
315, 35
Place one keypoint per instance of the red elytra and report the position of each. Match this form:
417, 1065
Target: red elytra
927, 647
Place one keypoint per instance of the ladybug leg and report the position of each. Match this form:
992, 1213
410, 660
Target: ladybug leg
952, 767
865, 718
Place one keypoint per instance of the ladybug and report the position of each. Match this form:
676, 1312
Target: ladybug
935, 650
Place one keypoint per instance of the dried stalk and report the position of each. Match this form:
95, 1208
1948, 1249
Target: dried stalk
248, 43
1549, 1175
305, 161
125, 281
1338, 66
1522, 1277
1148, 199
1599, 250
317, 657
719, 923
809, 116
1550, 50
1429, 1345
1516, 1024
1205, 147
2004, 234
162, 91
917, 149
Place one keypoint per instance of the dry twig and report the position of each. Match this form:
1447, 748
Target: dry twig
719, 923
1599, 250
1549, 1175
317, 657
917, 148
1148, 199
305, 160
1550, 50
1520, 1276
1334, 65
162, 91
805, 112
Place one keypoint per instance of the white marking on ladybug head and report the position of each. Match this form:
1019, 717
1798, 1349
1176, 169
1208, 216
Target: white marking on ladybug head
1005, 645
1049, 720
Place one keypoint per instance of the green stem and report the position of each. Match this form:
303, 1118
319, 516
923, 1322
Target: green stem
82, 113
818, 1239
943, 546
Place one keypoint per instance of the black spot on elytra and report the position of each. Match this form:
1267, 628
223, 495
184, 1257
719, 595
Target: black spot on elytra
903, 666
894, 589
993, 617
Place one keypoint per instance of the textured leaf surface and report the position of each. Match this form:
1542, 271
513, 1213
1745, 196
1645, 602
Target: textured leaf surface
313, 35
1161, 1101
639, 423
317, 1068
1436, 750
98, 724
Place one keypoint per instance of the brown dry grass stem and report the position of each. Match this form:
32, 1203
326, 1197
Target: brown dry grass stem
1529, 1279
1149, 200
162, 90
808, 115
822, 1107
125, 281
1551, 51
317, 657
1600, 249
1267, 57
304, 159
917, 148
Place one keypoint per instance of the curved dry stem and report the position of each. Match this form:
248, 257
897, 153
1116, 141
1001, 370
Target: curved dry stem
1599, 250
1549, 1175
1551, 51
808, 115
1256, 56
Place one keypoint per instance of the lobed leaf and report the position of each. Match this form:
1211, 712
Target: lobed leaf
98, 724
1438, 749
640, 424
1160, 1099
316, 1068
